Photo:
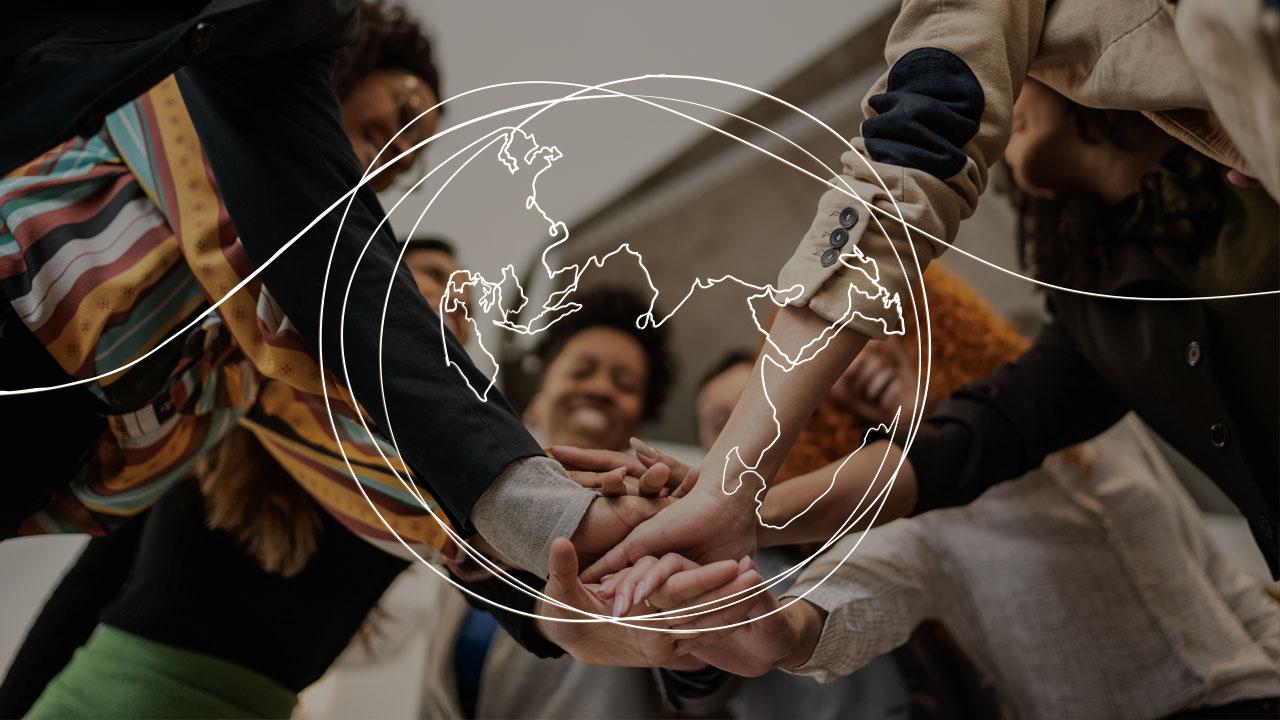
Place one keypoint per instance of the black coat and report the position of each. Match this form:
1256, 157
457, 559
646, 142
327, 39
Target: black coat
1093, 362
255, 75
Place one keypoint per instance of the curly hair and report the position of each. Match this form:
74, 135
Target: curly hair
388, 40
1064, 240
618, 309
969, 341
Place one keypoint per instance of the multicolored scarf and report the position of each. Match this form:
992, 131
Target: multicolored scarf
108, 245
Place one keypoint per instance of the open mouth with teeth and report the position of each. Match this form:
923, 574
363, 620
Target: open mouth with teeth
589, 418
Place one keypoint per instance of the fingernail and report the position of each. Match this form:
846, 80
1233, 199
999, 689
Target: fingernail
619, 606
639, 593
642, 448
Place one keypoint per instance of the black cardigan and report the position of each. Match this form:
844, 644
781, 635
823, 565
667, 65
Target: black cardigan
1094, 361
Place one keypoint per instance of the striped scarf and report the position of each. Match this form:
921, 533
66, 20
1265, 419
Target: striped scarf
108, 245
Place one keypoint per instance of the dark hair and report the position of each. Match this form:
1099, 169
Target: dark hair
388, 40
617, 309
1060, 240
726, 361
1065, 240
436, 244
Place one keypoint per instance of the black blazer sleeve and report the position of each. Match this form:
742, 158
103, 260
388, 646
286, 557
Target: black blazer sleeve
1003, 426
271, 128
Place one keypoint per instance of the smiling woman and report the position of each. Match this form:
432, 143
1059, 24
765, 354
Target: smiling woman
602, 375
385, 81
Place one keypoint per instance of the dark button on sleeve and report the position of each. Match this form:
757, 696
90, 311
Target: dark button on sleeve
848, 218
838, 237
1193, 353
201, 38
1219, 435
829, 257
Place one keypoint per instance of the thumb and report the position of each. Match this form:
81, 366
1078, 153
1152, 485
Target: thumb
562, 564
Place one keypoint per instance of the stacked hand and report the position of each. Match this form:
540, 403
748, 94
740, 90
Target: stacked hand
695, 521
705, 524
648, 473
772, 635
642, 643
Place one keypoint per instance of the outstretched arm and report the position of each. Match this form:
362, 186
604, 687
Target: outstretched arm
717, 519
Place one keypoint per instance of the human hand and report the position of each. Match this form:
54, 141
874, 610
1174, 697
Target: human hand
775, 636
605, 643
706, 525
609, 520
648, 473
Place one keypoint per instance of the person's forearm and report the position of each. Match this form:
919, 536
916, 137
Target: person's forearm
814, 506
807, 371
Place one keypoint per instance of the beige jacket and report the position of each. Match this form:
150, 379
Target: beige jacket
1079, 594
1205, 71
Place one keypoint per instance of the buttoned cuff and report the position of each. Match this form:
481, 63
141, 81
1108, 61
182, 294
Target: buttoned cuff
835, 642
845, 268
529, 505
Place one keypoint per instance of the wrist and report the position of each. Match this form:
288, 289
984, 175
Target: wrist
716, 481
550, 630
807, 621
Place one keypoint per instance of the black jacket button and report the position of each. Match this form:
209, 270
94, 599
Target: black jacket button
1193, 353
838, 238
1219, 435
201, 38
848, 218
830, 256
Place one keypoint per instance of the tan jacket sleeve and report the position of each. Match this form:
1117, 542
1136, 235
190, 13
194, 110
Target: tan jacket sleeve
873, 599
935, 123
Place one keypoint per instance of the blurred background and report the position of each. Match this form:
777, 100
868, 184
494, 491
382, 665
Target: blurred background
693, 202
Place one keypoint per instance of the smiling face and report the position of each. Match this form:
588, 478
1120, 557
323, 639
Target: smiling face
879, 381
377, 108
592, 393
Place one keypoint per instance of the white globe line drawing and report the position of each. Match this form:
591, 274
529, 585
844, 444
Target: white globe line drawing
349, 196
346, 197
560, 235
